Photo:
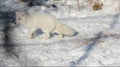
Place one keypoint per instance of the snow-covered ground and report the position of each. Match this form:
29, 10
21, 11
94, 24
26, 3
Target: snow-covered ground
97, 43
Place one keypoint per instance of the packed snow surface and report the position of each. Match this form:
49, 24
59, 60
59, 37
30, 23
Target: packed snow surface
97, 42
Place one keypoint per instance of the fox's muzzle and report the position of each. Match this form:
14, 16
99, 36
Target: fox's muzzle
14, 24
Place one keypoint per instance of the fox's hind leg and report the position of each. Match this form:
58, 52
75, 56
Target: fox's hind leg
46, 36
60, 34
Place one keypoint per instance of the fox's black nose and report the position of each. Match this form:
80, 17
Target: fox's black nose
15, 23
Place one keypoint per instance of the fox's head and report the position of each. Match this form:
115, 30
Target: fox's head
20, 17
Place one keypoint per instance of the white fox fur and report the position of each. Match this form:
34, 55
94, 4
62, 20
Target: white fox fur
45, 22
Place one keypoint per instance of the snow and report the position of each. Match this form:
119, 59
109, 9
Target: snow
97, 43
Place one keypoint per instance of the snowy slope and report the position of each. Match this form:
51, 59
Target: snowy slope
97, 43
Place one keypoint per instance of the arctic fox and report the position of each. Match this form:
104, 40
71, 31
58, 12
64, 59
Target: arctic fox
45, 22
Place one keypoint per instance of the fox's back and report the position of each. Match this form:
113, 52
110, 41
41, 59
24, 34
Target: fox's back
40, 19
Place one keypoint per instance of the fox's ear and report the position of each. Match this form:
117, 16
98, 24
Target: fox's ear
20, 14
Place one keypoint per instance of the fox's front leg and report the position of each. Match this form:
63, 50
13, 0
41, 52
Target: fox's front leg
31, 34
